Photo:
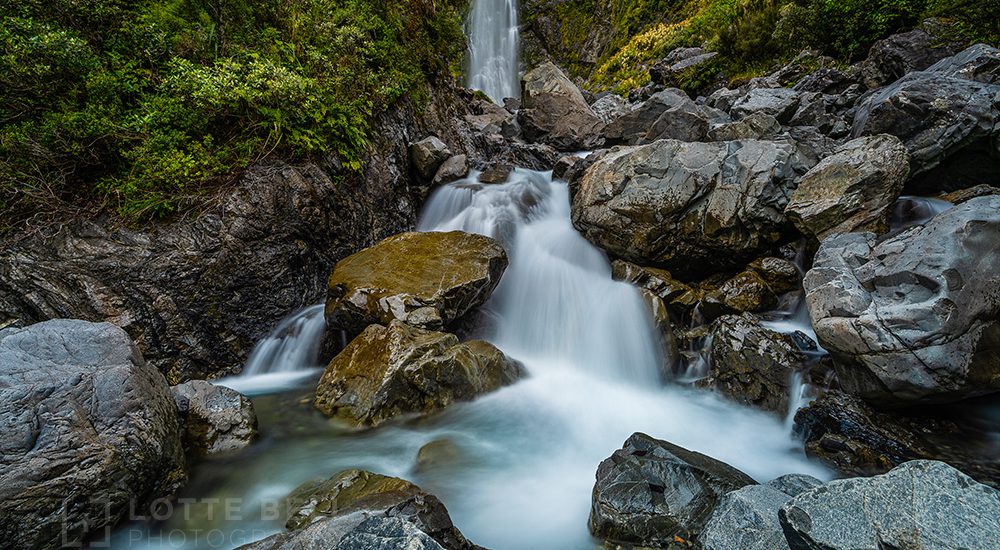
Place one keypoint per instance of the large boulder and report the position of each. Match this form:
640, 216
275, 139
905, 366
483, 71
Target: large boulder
753, 126
669, 114
423, 279
360, 510
651, 491
781, 103
856, 440
216, 419
853, 189
747, 518
892, 58
692, 208
89, 432
428, 154
751, 364
680, 62
913, 318
555, 112
979, 62
389, 371
948, 123
921, 504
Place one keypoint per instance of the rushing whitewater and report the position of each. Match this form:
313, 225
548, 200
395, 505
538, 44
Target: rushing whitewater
493, 58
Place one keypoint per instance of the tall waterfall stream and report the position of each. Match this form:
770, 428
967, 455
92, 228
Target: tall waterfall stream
521, 461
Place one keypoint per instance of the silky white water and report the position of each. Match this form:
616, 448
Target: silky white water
524, 458
493, 56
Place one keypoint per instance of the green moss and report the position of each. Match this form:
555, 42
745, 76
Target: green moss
143, 106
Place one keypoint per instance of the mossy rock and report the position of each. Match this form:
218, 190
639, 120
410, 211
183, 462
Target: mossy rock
426, 280
347, 490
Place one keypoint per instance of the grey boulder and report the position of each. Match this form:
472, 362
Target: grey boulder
688, 207
854, 189
747, 518
669, 114
919, 505
891, 58
88, 430
428, 154
913, 318
216, 419
781, 103
650, 491
555, 112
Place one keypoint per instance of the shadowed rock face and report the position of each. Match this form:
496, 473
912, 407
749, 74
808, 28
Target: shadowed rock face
914, 318
395, 370
693, 208
650, 491
921, 504
426, 280
216, 419
88, 429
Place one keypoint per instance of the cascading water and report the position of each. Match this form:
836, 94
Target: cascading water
493, 56
523, 459
286, 356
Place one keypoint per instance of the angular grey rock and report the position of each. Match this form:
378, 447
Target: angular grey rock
428, 154
920, 504
216, 419
689, 207
912, 319
949, 125
670, 68
854, 189
387, 534
610, 107
555, 112
891, 58
979, 62
753, 126
669, 114
746, 519
455, 168
794, 484
650, 491
88, 430
781, 103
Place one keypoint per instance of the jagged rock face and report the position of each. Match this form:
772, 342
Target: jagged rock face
914, 318
360, 510
948, 122
669, 114
196, 294
555, 112
650, 491
692, 208
426, 280
428, 154
216, 419
921, 504
752, 364
745, 519
781, 103
389, 371
856, 440
893, 57
853, 189
753, 126
89, 429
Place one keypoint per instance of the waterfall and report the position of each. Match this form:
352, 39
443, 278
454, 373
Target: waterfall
288, 355
494, 44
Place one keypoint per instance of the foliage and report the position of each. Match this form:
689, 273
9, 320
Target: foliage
143, 104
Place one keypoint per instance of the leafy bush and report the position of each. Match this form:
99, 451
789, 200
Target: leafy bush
142, 105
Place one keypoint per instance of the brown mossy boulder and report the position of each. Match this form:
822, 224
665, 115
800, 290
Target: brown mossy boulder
345, 490
390, 371
426, 280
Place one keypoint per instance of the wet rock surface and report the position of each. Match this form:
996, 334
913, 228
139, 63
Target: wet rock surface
361, 510
689, 207
216, 419
920, 504
89, 430
852, 190
913, 318
427, 280
857, 440
650, 491
390, 371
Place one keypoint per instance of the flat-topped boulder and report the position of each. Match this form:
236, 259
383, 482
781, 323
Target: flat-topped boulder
89, 429
426, 280
390, 371
692, 208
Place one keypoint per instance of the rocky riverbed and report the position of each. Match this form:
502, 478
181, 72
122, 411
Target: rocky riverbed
771, 273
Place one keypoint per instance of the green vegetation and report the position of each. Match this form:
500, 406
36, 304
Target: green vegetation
141, 105
753, 36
